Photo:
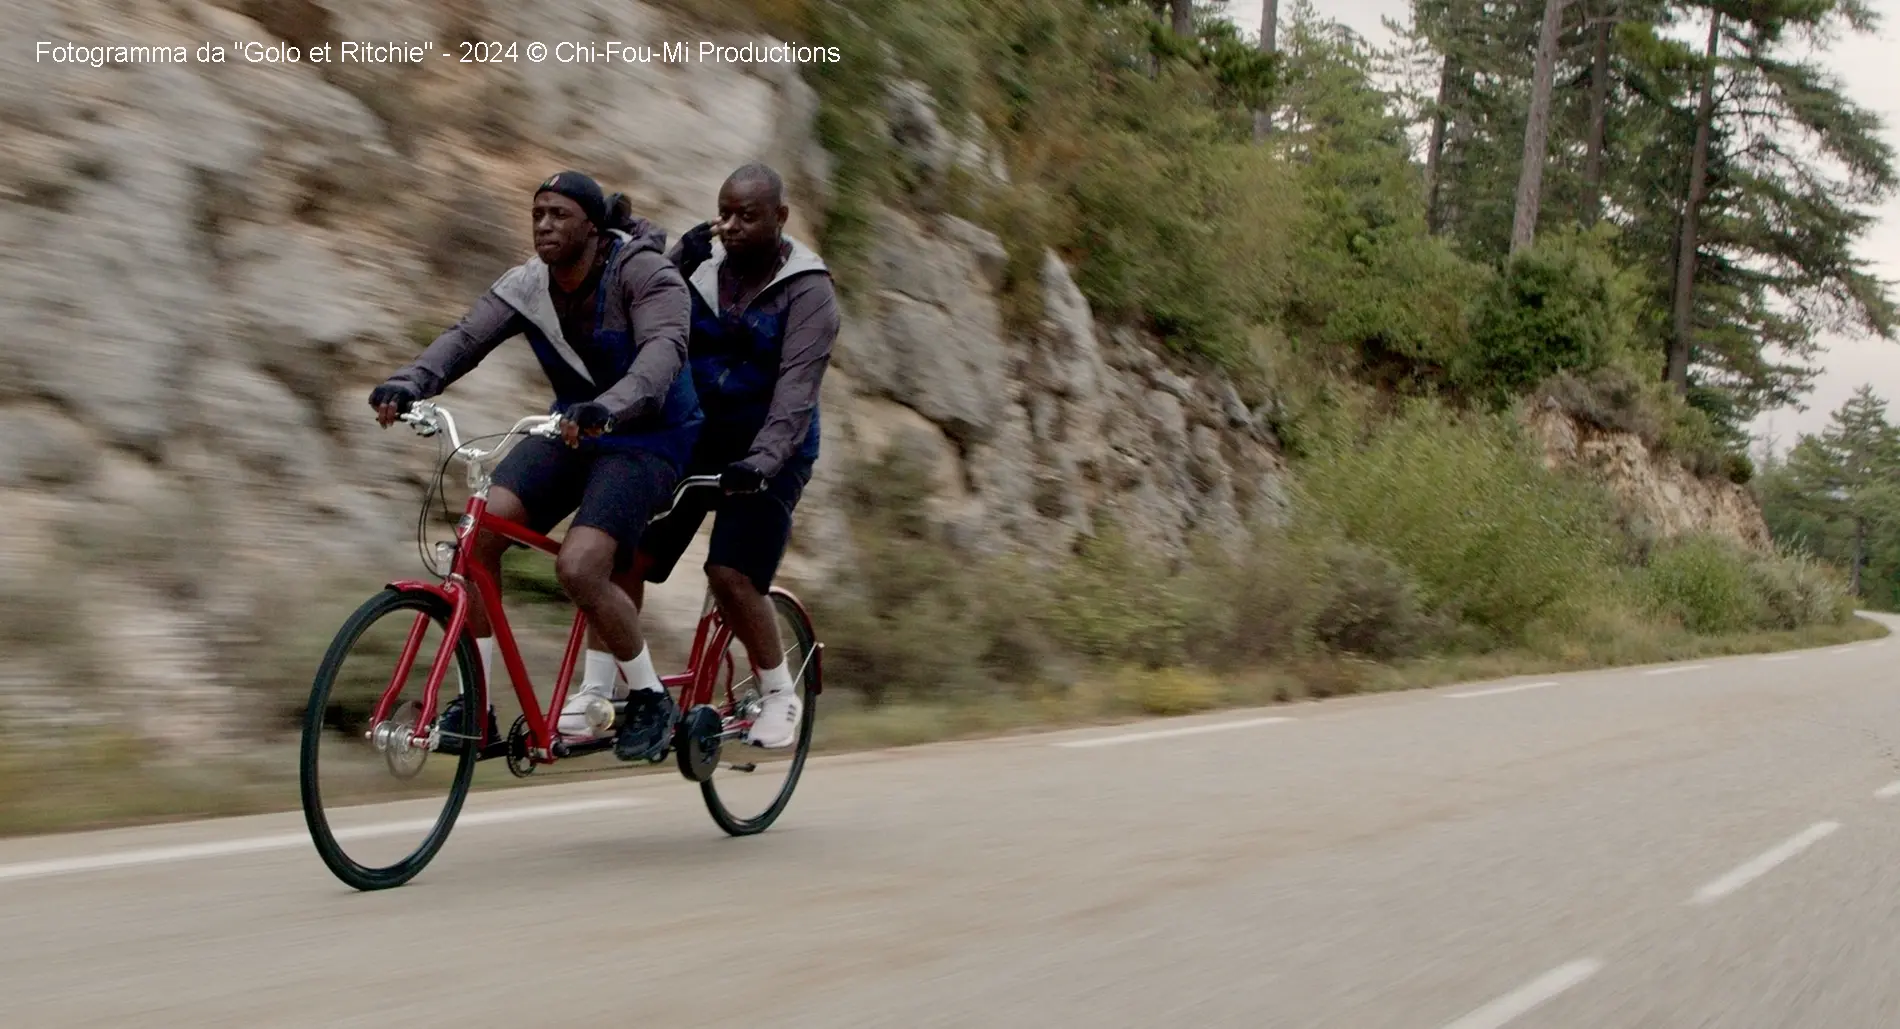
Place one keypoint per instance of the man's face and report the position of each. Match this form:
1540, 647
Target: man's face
561, 229
749, 222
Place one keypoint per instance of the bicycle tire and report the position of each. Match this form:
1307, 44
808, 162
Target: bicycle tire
709, 790
468, 661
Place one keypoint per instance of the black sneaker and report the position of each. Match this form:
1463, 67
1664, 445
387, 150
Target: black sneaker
647, 725
454, 728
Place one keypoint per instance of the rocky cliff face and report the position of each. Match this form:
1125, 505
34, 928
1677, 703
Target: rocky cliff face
208, 266
1655, 489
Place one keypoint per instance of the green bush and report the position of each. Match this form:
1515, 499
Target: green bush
918, 622
1258, 608
1562, 304
1465, 505
1797, 591
1707, 583
1115, 603
1612, 398
1371, 605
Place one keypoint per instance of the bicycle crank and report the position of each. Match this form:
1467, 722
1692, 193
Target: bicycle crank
698, 742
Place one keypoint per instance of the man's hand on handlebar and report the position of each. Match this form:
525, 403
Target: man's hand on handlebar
391, 401
737, 478
589, 419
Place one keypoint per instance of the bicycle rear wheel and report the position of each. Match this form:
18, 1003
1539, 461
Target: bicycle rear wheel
742, 801
367, 785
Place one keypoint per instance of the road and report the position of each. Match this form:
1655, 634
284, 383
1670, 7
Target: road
1699, 845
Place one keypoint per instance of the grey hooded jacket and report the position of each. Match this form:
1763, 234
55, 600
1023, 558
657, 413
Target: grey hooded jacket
758, 371
635, 364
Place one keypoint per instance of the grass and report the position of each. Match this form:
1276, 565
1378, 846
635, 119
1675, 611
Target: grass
117, 781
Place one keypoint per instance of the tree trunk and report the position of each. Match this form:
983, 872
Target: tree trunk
1269, 42
1435, 152
1599, 114
1530, 176
1860, 554
1683, 303
1184, 18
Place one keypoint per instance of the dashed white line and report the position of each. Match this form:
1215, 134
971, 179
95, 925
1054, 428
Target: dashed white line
1157, 734
1889, 791
1781, 657
281, 841
1529, 996
1766, 862
1675, 669
1494, 691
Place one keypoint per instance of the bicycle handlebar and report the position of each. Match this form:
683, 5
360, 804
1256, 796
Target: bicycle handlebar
430, 418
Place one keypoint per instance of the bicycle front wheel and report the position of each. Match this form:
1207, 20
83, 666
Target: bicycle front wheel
751, 787
378, 805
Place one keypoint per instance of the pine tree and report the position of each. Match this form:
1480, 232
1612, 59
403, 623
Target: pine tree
1848, 477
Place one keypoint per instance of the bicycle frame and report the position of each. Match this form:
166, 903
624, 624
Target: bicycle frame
467, 583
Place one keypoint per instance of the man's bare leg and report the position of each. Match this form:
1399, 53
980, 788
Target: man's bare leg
749, 612
585, 568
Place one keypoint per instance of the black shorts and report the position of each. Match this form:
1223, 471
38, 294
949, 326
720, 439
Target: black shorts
750, 530
615, 491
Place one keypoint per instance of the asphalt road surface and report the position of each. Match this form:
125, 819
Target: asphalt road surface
1683, 846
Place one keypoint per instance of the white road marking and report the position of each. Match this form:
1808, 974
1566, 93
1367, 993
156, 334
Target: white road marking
1781, 657
281, 841
1501, 689
1675, 669
1765, 863
1157, 734
1527, 997
1889, 791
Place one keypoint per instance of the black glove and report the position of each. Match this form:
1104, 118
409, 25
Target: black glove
393, 393
695, 247
590, 416
738, 478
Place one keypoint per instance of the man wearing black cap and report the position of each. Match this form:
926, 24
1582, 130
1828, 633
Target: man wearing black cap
607, 315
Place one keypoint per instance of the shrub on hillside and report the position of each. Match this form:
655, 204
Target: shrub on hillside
1562, 304
1464, 505
1255, 608
1707, 583
1797, 591
1114, 603
1612, 398
1370, 606
921, 621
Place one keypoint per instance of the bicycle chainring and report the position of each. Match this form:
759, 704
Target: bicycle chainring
518, 763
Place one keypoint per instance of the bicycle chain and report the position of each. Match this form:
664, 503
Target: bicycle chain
519, 731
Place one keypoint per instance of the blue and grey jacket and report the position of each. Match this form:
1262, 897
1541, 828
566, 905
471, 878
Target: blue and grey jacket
635, 364
758, 371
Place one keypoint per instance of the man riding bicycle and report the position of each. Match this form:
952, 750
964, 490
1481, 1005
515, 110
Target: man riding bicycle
764, 317
607, 314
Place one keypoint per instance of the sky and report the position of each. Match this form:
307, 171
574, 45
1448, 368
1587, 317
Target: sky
1867, 65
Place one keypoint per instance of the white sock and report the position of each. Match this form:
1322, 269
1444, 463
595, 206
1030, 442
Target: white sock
600, 670
640, 673
777, 679
485, 646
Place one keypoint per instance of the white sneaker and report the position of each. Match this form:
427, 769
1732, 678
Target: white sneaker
777, 724
573, 722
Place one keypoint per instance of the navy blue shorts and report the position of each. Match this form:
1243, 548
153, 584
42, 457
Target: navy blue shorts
750, 530
614, 490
